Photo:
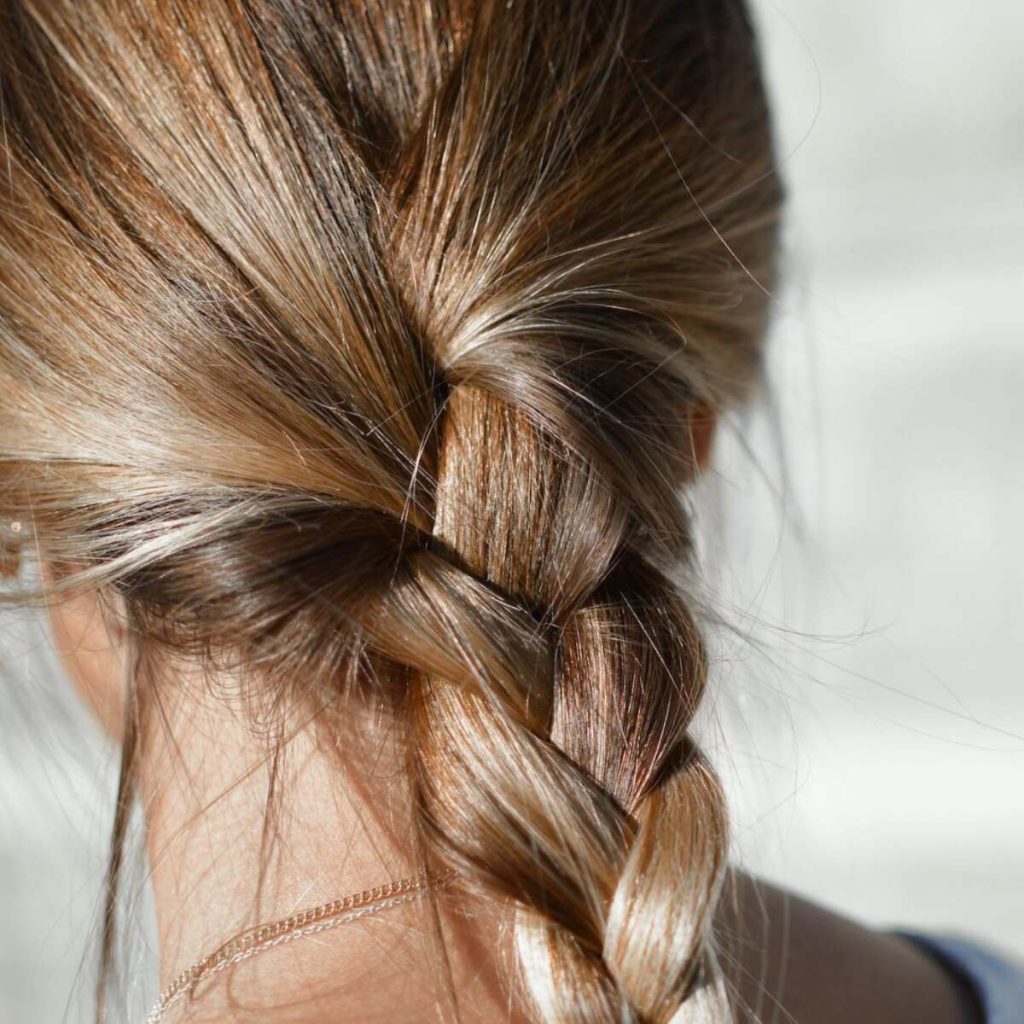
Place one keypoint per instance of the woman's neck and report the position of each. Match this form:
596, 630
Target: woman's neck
226, 855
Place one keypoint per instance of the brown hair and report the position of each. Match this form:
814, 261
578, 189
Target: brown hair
360, 345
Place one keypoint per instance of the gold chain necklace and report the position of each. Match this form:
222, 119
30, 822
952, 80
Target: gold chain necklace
306, 922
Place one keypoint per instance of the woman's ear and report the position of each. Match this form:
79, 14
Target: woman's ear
93, 658
703, 419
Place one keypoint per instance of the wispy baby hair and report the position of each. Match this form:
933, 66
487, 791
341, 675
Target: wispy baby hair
361, 345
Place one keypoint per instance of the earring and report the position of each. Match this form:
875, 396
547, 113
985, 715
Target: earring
12, 538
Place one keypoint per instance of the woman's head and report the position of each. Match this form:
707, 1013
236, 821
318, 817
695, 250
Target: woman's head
359, 352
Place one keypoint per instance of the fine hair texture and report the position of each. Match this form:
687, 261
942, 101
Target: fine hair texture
360, 345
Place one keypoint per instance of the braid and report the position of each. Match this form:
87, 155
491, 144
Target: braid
578, 796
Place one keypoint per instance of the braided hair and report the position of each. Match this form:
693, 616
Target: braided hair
363, 345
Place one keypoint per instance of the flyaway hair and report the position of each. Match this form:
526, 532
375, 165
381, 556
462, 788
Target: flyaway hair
360, 344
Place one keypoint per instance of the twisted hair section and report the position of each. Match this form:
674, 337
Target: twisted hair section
361, 346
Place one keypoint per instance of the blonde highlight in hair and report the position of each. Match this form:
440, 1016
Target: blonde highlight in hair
359, 345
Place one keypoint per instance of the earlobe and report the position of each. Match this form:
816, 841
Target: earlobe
12, 539
703, 420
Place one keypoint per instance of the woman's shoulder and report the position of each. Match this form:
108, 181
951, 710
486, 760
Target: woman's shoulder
994, 976
789, 959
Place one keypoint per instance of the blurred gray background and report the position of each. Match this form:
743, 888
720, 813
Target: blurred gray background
869, 716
